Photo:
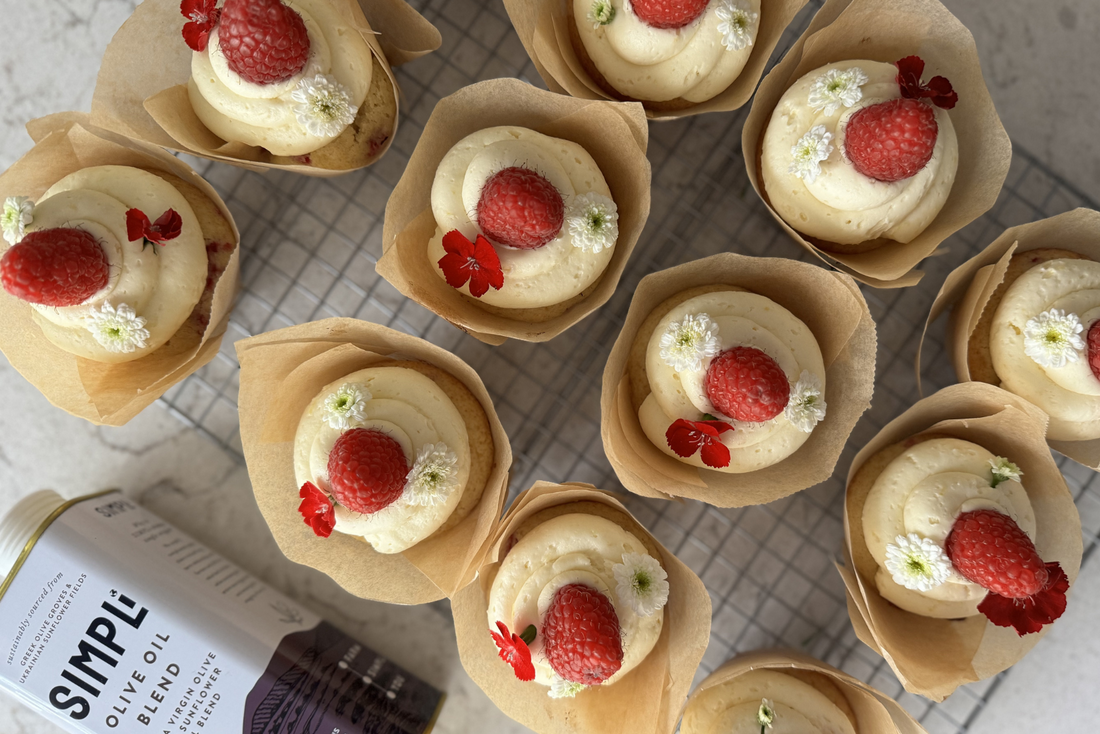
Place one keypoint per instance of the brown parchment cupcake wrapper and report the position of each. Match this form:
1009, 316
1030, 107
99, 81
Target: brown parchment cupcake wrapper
281, 372
886, 30
875, 712
141, 90
614, 133
829, 303
933, 657
543, 29
969, 287
105, 394
645, 701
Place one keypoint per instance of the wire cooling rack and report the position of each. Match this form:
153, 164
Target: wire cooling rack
308, 252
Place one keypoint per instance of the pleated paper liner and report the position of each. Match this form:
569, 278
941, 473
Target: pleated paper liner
969, 287
281, 372
886, 30
614, 133
544, 29
874, 712
829, 303
105, 394
645, 701
141, 90
932, 657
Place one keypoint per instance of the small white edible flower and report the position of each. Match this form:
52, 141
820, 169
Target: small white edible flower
432, 477
641, 582
562, 688
806, 406
765, 715
117, 330
685, 344
601, 13
736, 24
809, 151
324, 107
835, 88
917, 563
1052, 338
344, 408
593, 222
1004, 471
18, 213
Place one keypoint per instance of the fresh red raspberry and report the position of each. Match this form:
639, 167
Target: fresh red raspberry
1094, 349
520, 208
263, 41
367, 470
668, 13
891, 140
55, 267
581, 634
990, 549
747, 385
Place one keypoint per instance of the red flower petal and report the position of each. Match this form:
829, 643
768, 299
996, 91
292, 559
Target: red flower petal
456, 243
203, 17
476, 263
1030, 614
514, 651
317, 510
136, 224
167, 227
715, 454
938, 89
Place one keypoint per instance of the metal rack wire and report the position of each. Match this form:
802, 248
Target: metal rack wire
308, 252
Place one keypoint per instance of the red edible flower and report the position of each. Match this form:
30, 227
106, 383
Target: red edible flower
938, 89
1030, 613
476, 262
514, 651
686, 437
317, 510
167, 227
202, 16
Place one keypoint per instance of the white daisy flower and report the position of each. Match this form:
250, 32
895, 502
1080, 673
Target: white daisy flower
917, 563
562, 688
835, 88
18, 213
641, 583
324, 107
433, 477
1053, 338
1004, 471
765, 715
117, 330
736, 23
593, 222
806, 407
685, 344
344, 408
601, 13
808, 153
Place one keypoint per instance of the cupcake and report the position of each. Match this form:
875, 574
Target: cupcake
375, 456
118, 269
579, 620
723, 375
518, 209
960, 529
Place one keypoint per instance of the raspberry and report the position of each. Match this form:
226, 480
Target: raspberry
891, 140
55, 267
263, 41
581, 633
1093, 346
747, 385
367, 470
990, 549
520, 208
668, 13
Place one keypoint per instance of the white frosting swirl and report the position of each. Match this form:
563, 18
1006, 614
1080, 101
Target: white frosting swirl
743, 319
413, 410
841, 204
660, 64
263, 114
1070, 394
922, 491
550, 274
569, 549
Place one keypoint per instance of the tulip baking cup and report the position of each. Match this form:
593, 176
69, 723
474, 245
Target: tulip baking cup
642, 700
975, 292
888, 32
741, 32
828, 305
115, 388
142, 88
983, 448
300, 371
614, 134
